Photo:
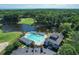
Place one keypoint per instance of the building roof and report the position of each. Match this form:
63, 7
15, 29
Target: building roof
58, 40
25, 41
22, 51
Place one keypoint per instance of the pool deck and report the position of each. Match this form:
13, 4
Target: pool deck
22, 51
38, 42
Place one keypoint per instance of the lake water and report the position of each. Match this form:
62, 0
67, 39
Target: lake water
18, 27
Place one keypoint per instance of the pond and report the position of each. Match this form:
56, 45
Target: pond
18, 27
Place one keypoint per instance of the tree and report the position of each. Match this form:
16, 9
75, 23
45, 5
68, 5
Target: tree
10, 19
67, 49
75, 22
75, 39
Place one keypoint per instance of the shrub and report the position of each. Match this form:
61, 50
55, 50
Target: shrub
67, 49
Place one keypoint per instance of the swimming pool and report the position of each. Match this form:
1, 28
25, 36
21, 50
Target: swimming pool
37, 38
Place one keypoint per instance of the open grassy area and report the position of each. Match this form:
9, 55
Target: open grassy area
9, 37
28, 21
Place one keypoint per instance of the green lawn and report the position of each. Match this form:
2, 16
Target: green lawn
28, 21
9, 37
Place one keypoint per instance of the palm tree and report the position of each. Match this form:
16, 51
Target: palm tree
41, 49
33, 46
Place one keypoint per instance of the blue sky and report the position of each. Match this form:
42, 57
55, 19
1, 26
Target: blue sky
36, 6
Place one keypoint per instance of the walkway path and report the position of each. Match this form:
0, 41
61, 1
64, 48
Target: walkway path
3, 45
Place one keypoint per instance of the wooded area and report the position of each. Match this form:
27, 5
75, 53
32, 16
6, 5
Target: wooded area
65, 21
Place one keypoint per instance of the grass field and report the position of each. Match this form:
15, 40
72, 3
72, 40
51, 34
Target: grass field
9, 37
28, 21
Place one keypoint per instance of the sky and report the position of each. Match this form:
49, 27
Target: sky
38, 6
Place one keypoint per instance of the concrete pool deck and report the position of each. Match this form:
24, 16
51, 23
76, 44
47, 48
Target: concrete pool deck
37, 38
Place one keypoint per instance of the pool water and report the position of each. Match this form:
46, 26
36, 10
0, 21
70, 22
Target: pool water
38, 39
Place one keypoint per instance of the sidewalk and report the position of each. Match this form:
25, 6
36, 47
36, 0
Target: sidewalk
3, 45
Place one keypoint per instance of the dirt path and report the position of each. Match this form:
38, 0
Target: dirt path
3, 45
